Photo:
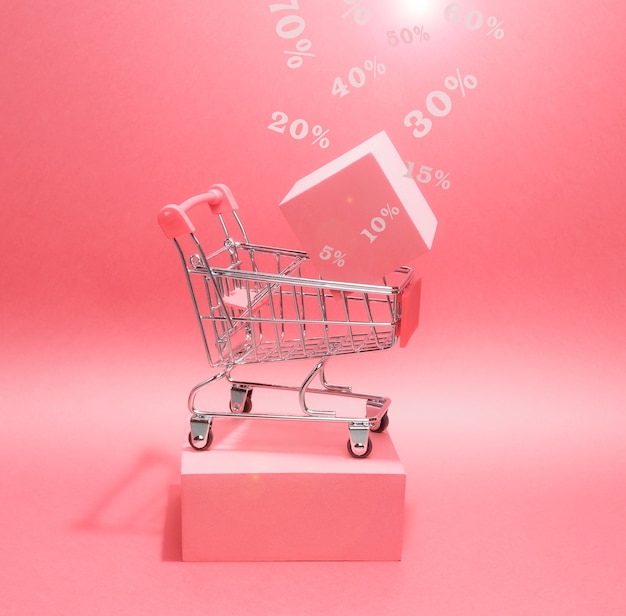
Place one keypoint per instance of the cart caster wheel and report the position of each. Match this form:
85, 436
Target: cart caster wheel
201, 445
362, 452
382, 425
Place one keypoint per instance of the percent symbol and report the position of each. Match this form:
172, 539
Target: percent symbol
495, 28
373, 66
361, 14
339, 258
441, 176
302, 46
319, 133
452, 83
423, 35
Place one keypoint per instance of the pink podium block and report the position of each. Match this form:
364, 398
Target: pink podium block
281, 491
359, 217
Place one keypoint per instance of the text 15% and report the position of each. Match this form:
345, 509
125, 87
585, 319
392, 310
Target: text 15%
357, 77
299, 129
406, 36
378, 224
360, 14
425, 175
338, 257
474, 20
290, 27
438, 104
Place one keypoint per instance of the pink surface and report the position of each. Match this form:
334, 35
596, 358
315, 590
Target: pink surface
276, 491
514, 449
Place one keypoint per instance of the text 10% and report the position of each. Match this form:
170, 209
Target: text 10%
299, 129
360, 14
425, 175
338, 257
357, 77
378, 224
474, 20
406, 36
438, 104
290, 27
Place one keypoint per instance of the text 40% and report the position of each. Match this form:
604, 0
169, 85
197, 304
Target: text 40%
290, 27
360, 14
406, 36
357, 77
425, 175
378, 224
438, 104
299, 129
474, 20
338, 257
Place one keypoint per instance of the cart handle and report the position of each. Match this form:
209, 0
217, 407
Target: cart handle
174, 219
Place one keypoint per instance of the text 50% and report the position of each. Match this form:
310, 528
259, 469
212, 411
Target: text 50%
438, 104
406, 36
378, 224
357, 77
425, 175
338, 257
289, 27
474, 20
299, 129
360, 13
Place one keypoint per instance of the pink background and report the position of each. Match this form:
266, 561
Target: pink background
508, 406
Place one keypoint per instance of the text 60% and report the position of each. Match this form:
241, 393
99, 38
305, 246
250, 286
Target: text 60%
378, 224
299, 129
438, 104
406, 36
425, 175
474, 20
338, 257
360, 14
357, 77
290, 27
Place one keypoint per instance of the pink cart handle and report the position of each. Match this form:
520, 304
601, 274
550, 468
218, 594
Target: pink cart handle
174, 219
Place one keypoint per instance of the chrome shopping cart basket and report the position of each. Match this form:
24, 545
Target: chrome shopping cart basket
257, 303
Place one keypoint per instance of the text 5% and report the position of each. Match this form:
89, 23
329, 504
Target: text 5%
473, 20
378, 224
438, 103
360, 14
299, 129
338, 257
425, 175
357, 77
290, 27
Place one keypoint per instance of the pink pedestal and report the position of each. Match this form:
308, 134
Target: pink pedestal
268, 491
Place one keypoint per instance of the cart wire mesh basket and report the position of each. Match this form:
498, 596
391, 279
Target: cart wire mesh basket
257, 303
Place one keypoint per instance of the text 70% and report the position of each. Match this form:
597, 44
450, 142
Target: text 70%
290, 27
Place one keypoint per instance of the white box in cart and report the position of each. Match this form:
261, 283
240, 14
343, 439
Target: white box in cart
359, 217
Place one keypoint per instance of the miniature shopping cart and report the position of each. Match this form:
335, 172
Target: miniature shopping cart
258, 303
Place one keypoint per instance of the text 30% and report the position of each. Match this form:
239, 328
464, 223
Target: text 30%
290, 27
378, 224
425, 175
360, 13
406, 36
474, 20
299, 129
338, 257
438, 104
357, 77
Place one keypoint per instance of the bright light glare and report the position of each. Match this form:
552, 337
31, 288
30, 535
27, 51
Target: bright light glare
419, 8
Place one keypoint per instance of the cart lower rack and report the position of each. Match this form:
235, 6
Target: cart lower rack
257, 303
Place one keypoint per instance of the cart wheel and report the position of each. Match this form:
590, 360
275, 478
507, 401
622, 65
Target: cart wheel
247, 404
363, 453
382, 426
202, 444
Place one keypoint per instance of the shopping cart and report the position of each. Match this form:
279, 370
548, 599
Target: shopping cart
258, 303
